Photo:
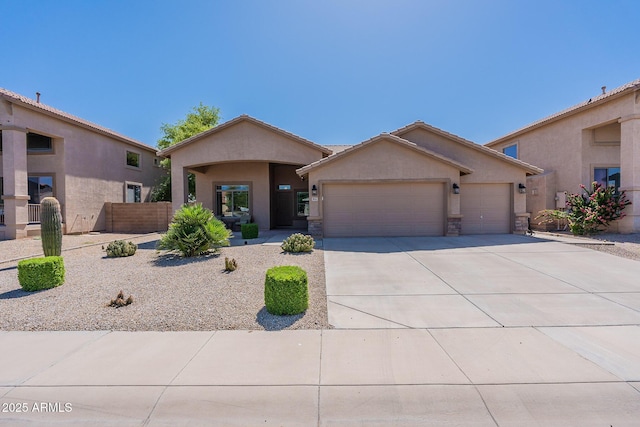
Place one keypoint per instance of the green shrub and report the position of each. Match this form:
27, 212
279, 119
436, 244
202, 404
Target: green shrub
286, 290
249, 231
120, 248
590, 212
41, 273
193, 231
298, 243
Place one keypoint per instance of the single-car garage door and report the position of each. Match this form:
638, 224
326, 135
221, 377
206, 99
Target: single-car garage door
383, 209
486, 208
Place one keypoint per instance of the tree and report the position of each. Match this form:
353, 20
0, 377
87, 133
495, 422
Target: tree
199, 119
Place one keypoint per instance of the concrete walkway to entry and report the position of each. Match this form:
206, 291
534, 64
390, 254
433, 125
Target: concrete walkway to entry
474, 331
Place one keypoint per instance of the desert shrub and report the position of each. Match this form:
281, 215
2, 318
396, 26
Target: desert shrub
298, 243
193, 231
230, 264
591, 211
120, 248
249, 231
41, 273
286, 290
119, 301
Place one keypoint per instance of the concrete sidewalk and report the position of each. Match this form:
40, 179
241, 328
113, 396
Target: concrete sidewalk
459, 376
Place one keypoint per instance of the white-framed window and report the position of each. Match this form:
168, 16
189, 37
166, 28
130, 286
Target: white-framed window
511, 151
132, 192
133, 159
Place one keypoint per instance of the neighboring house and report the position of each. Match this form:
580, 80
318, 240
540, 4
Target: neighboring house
596, 140
47, 152
416, 181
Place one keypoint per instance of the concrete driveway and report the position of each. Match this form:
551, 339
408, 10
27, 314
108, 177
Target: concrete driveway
471, 331
476, 281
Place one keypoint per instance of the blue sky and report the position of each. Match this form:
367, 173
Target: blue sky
332, 71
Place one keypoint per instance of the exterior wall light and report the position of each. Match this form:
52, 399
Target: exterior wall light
456, 188
521, 188
314, 190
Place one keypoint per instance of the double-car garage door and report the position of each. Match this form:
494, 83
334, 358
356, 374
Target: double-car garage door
384, 209
412, 209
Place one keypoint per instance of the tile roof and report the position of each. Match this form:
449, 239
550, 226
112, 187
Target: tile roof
48, 110
534, 170
590, 103
167, 151
338, 148
394, 138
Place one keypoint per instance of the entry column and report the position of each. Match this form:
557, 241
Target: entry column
16, 190
630, 171
179, 185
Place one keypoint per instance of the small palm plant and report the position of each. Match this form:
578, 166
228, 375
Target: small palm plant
193, 231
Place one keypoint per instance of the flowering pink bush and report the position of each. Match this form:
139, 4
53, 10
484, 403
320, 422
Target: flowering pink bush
591, 211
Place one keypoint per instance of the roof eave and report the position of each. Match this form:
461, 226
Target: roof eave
320, 163
89, 127
167, 151
576, 109
530, 169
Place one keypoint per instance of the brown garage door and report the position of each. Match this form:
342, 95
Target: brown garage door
393, 209
486, 208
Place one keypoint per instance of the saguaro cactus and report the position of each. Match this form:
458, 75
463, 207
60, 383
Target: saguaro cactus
51, 226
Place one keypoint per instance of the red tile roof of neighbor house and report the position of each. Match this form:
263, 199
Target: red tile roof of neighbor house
69, 118
534, 170
385, 136
167, 151
590, 103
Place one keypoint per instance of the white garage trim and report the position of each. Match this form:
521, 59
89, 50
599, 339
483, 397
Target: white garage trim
384, 208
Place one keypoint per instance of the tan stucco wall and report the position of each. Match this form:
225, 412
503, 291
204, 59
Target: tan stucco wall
486, 169
89, 168
245, 141
574, 145
383, 160
218, 156
256, 174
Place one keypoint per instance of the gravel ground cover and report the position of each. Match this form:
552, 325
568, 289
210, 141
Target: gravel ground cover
622, 245
170, 293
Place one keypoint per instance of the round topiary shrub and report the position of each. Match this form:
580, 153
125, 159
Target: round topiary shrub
249, 231
36, 274
286, 290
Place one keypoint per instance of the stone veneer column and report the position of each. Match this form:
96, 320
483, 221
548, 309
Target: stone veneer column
630, 171
16, 190
454, 225
521, 222
314, 227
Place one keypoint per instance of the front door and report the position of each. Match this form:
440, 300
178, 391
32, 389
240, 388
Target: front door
284, 208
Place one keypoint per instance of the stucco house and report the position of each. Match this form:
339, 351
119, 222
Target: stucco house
596, 140
47, 152
415, 181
